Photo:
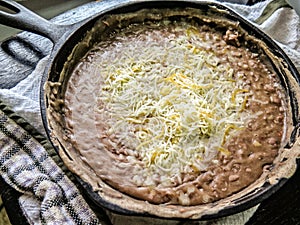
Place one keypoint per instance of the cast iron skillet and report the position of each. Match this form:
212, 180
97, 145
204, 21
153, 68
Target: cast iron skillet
65, 37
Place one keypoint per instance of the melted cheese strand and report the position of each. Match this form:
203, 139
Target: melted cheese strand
174, 103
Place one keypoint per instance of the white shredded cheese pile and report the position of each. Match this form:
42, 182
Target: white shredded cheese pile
171, 103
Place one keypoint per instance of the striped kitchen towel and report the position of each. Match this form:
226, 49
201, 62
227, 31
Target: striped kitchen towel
28, 168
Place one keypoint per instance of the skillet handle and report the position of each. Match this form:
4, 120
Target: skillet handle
20, 17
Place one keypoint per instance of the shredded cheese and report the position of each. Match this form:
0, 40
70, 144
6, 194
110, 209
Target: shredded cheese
171, 101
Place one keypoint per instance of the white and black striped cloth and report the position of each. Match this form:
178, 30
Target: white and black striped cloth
29, 168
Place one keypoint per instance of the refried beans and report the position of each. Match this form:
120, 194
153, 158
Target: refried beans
185, 111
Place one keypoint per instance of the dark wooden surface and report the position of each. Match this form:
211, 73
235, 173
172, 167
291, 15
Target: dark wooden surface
18, 58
